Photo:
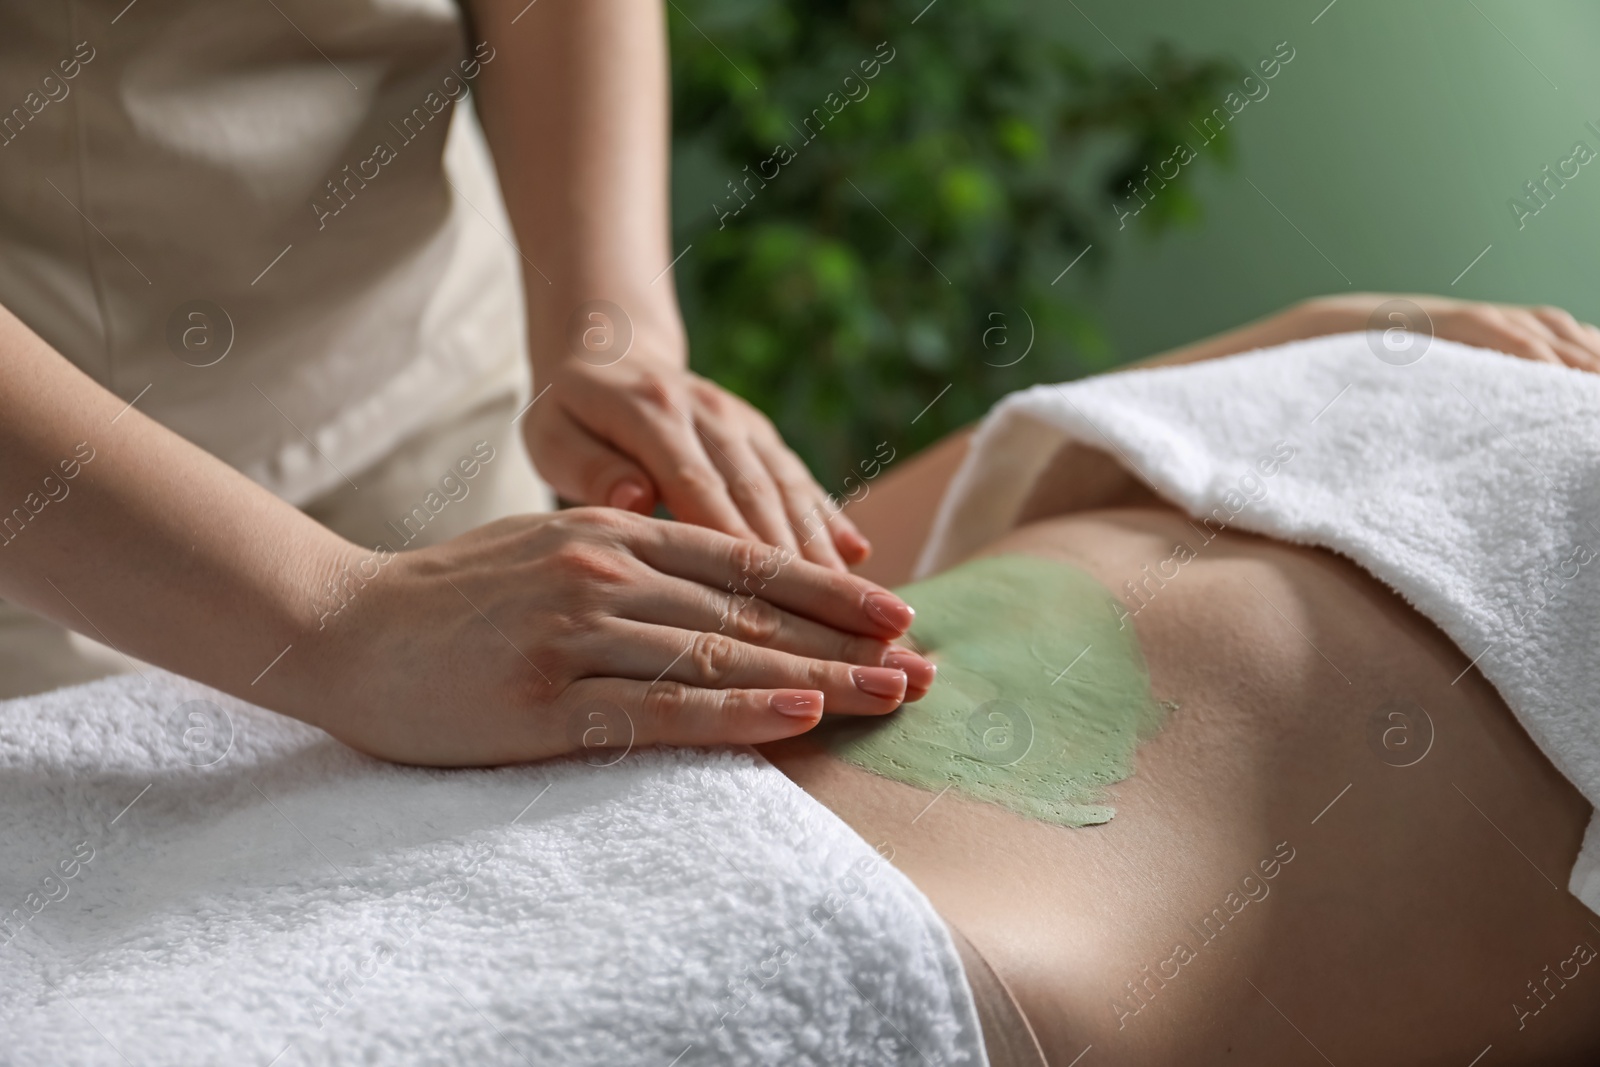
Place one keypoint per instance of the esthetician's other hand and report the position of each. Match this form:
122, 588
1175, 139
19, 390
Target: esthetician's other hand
1542, 334
644, 430
538, 635
624, 423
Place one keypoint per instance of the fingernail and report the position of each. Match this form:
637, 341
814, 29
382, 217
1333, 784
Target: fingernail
880, 682
919, 672
853, 546
628, 496
891, 611
800, 703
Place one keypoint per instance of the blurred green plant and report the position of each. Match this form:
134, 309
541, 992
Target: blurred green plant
861, 245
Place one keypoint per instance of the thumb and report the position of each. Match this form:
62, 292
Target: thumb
632, 492
585, 469
612, 479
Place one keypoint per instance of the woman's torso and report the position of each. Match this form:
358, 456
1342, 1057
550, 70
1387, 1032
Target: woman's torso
1408, 903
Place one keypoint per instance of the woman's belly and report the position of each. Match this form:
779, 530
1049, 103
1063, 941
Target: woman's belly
1337, 847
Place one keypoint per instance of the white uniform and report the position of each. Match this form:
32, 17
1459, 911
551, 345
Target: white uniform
268, 225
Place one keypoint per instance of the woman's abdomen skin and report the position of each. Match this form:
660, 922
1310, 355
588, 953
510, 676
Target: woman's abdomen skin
1330, 853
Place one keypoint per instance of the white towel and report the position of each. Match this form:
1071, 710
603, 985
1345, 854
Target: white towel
211, 883
1468, 481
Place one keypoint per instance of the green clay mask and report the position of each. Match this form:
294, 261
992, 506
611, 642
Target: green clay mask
1041, 699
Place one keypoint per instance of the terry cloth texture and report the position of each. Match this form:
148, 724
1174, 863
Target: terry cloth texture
190, 879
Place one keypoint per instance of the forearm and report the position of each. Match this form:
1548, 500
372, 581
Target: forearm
575, 107
1541, 334
119, 529
1294, 323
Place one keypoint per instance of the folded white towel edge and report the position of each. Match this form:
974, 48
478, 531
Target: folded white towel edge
984, 498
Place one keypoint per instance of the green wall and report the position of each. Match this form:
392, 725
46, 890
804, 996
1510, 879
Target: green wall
1394, 141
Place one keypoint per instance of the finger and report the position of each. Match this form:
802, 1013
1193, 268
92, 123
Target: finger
1575, 356
1509, 332
750, 485
1591, 335
810, 513
1538, 349
920, 673
1578, 346
661, 435
1538, 337
589, 471
1533, 340
842, 601
1559, 322
671, 713
1478, 325
742, 615
711, 660
849, 540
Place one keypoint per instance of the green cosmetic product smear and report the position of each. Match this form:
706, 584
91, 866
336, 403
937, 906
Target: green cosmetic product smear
1042, 695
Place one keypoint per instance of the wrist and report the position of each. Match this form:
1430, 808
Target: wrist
597, 324
328, 619
1321, 316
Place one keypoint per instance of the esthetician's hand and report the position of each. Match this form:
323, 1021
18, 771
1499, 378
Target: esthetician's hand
645, 430
538, 635
1542, 334
624, 423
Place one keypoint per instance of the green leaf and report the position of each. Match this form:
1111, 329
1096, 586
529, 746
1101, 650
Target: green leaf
896, 186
